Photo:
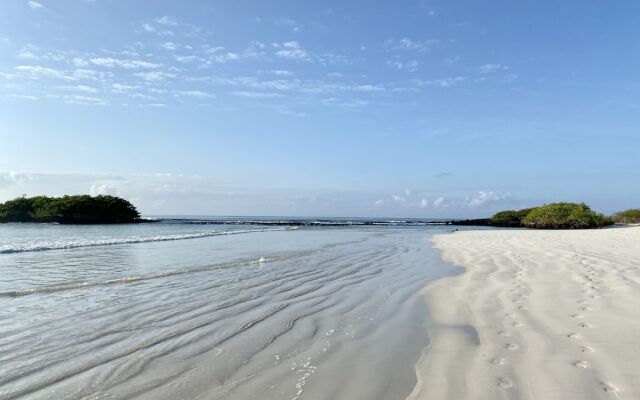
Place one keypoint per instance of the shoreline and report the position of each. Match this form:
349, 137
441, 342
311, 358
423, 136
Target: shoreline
535, 315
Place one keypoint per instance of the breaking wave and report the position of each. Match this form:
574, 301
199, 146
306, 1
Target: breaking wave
72, 244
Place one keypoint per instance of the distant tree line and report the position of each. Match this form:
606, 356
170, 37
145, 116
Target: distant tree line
79, 209
552, 216
631, 216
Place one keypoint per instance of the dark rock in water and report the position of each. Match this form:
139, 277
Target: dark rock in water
473, 222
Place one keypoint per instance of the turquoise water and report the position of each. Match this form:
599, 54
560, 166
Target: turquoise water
170, 311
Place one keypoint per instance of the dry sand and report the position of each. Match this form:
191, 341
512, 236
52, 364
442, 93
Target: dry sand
537, 315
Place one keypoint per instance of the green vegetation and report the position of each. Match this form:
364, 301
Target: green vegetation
510, 218
564, 216
80, 209
631, 216
552, 216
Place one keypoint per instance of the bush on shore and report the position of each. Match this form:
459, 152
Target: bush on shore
552, 216
79, 209
631, 216
510, 218
564, 216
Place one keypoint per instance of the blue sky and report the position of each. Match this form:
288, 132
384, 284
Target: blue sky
403, 108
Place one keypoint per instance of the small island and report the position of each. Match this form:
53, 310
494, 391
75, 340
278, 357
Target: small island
554, 216
78, 209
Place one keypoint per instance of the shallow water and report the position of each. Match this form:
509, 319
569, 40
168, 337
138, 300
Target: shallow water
170, 311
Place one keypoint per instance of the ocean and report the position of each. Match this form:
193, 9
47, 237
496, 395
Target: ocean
215, 308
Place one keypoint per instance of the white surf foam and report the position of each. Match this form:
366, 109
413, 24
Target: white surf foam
72, 244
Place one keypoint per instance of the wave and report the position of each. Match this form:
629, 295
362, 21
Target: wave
312, 222
72, 244
132, 279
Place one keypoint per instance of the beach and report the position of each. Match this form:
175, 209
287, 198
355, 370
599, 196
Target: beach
205, 310
536, 315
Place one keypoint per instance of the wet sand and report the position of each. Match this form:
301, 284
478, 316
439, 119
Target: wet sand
318, 314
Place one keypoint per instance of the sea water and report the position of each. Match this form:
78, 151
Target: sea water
174, 310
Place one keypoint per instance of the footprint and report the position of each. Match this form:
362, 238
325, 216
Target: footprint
523, 308
581, 364
576, 316
504, 383
585, 325
574, 336
586, 309
516, 324
503, 333
607, 387
511, 346
497, 361
586, 349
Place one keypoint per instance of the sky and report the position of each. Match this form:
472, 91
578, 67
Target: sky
415, 108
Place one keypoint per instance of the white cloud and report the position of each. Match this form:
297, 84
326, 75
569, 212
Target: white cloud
24, 96
81, 100
398, 199
439, 202
127, 64
344, 103
424, 203
166, 20
186, 59
410, 44
141, 96
35, 5
293, 51
92, 75
194, 93
445, 82
281, 72
103, 189
81, 88
217, 55
256, 95
160, 32
154, 76
482, 198
169, 46
28, 52
147, 27
489, 68
222, 58
367, 88
119, 87
79, 62
410, 65
37, 71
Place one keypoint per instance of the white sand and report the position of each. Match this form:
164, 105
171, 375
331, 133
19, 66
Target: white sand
557, 315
